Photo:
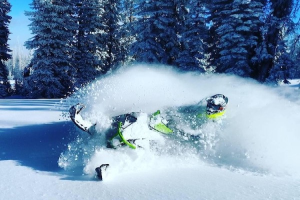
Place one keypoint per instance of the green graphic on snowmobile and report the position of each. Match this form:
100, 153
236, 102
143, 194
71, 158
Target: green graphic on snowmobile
119, 133
159, 125
215, 115
119, 121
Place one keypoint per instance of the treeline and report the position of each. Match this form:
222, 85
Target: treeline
75, 41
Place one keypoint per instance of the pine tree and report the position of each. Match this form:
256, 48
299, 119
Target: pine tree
4, 48
147, 47
128, 20
88, 39
283, 65
234, 34
157, 32
276, 21
193, 34
283, 69
178, 15
295, 56
53, 28
111, 49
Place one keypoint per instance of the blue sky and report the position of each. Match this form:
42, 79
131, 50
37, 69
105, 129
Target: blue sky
19, 24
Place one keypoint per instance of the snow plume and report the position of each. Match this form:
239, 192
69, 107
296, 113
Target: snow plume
260, 131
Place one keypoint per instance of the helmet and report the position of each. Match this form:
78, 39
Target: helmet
216, 104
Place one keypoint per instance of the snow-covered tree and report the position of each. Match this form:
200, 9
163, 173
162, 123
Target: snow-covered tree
88, 39
111, 51
157, 32
276, 23
248, 38
193, 34
234, 34
283, 69
283, 65
20, 59
146, 48
4, 48
179, 12
53, 28
295, 56
128, 20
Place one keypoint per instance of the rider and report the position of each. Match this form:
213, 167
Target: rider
216, 106
192, 117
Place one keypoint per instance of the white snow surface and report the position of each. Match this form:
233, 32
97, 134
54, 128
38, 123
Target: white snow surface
17, 112
252, 153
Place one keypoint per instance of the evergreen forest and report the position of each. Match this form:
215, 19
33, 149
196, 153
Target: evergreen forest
76, 41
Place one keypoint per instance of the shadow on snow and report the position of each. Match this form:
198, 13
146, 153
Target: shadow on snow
37, 146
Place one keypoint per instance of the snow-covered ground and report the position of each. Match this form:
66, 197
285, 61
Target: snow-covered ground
253, 153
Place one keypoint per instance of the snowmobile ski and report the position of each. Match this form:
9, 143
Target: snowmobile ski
99, 171
79, 121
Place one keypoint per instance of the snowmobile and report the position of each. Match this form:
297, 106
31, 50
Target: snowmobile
210, 108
